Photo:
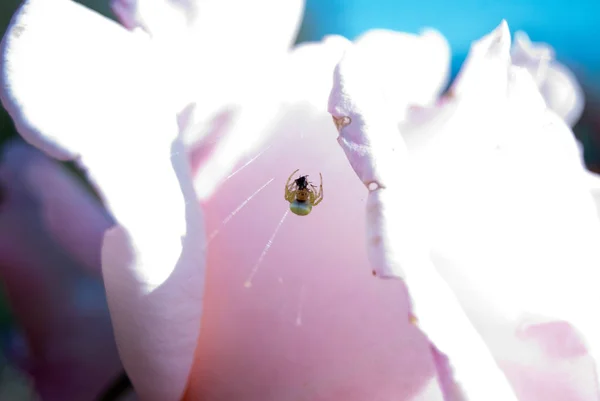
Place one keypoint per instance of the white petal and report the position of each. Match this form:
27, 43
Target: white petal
309, 69
304, 76
380, 77
484, 72
223, 57
558, 85
412, 69
153, 264
594, 180
395, 236
91, 88
401, 69
536, 58
511, 208
98, 76
268, 23
218, 51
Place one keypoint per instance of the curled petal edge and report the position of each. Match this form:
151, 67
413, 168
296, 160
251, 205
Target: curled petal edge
375, 150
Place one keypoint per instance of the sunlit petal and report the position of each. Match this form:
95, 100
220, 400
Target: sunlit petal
309, 70
414, 68
484, 72
218, 51
92, 95
558, 85
395, 213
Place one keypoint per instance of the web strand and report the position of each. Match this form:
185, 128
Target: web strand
248, 282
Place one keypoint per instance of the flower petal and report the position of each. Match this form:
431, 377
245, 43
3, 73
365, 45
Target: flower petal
500, 193
308, 70
484, 72
396, 241
65, 205
387, 60
413, 69
233, 24
558, 85
304, 76
218, 50
273, 329
254, 119
50, 267
381, 76
248, 128
93, 94
594, 180
208, 81
103, 70
530, 208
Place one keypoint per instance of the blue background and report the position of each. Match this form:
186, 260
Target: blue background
571, 27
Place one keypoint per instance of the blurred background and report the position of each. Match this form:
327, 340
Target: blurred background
571, 27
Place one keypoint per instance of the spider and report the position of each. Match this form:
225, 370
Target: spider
301, 197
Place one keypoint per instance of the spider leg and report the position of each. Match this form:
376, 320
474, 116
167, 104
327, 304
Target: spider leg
319, 197
287, 184
289, 193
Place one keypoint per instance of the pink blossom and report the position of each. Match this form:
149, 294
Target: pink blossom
51, 231
254, 303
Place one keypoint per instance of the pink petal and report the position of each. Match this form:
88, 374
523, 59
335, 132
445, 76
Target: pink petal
314, 324
301, 76
247, 129
50, 266
93, 94
395, 237
528, 217
242, 132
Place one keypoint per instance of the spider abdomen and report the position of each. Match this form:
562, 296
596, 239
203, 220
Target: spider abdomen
301, 208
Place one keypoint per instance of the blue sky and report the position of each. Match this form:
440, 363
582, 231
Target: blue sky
572, 27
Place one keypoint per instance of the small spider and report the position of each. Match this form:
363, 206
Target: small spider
301, 197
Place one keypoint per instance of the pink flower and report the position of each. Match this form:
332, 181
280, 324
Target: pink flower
290, 309
50, 268
116, 96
